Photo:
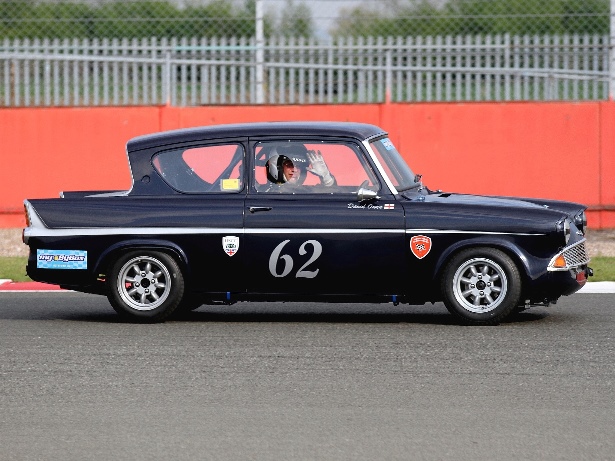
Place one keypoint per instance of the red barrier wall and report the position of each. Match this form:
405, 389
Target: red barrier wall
553, 150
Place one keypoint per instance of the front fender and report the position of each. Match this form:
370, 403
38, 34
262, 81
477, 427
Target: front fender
528, 264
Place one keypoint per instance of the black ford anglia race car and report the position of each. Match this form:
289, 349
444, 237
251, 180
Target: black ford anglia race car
311, 211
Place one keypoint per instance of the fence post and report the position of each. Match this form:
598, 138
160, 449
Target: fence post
389, 76
260, 53
167, 77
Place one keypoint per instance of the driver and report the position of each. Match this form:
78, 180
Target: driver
291, 167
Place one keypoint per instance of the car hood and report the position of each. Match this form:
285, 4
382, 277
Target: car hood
568, 208
468, 199
489, 213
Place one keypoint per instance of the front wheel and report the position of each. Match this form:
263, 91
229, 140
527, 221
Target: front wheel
481, 286
145, 286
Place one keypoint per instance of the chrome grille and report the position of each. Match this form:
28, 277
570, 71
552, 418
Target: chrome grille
576, 255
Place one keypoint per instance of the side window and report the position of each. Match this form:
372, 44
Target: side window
311, 167
215, 168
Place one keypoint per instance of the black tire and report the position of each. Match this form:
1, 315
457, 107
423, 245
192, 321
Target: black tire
145, 286
481, 286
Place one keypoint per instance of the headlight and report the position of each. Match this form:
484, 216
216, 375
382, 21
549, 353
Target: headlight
564, 226
580, 220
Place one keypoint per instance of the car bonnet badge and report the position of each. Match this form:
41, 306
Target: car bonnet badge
420, 246
230, 244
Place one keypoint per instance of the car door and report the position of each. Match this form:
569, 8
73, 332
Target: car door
316, 238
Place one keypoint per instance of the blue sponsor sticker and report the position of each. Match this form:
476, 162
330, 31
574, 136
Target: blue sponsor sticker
388, 145
61, 259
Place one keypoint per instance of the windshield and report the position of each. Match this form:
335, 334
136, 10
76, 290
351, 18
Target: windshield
394, 165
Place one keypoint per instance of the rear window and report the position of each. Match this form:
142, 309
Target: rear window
214, 168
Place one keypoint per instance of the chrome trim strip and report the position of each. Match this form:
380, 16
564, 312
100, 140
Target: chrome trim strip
455, 231
43, 232
323, 231
110, 194
372, 155
38, 229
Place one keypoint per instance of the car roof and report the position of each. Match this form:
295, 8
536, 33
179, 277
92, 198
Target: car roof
319, 128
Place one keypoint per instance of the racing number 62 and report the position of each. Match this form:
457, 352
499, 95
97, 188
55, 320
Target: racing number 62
288, 261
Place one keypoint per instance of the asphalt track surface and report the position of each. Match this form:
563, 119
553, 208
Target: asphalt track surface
258, 381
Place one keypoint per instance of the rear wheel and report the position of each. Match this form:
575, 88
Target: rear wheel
145, 286
481, 286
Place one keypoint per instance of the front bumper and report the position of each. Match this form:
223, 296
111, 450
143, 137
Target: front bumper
567, 273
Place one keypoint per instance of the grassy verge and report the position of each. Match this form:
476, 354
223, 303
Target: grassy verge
14, 268
604, 269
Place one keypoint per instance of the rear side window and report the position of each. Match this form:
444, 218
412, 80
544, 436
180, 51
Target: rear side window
205, 169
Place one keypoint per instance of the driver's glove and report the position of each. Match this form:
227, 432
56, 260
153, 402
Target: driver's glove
319, 167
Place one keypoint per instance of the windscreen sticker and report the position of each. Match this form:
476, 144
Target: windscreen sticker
420, 246
61, 259
230, 184
388, 145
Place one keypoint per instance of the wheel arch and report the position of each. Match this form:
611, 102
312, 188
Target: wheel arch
517, 254
107, 257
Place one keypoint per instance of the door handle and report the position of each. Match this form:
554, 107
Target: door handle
254, 209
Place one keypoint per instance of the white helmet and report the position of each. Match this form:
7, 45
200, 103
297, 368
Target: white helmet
293, 153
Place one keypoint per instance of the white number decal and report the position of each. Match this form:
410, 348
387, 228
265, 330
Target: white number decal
273, 261
317, 251
288, 261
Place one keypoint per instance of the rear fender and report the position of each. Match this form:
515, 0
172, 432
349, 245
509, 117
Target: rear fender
109, 255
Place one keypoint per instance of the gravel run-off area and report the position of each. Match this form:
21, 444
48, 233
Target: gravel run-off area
599, 242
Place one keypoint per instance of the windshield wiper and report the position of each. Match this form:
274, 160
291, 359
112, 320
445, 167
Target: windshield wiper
413, 186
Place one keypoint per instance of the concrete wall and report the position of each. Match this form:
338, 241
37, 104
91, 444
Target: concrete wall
553, 150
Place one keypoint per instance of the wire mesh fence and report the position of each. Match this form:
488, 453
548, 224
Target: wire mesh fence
195, 52
319, 18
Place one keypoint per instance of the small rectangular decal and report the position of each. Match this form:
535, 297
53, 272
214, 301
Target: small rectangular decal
230, 184
388, 145
389, 206
61, 259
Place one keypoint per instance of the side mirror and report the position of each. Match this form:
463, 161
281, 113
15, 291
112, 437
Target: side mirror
365, 195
